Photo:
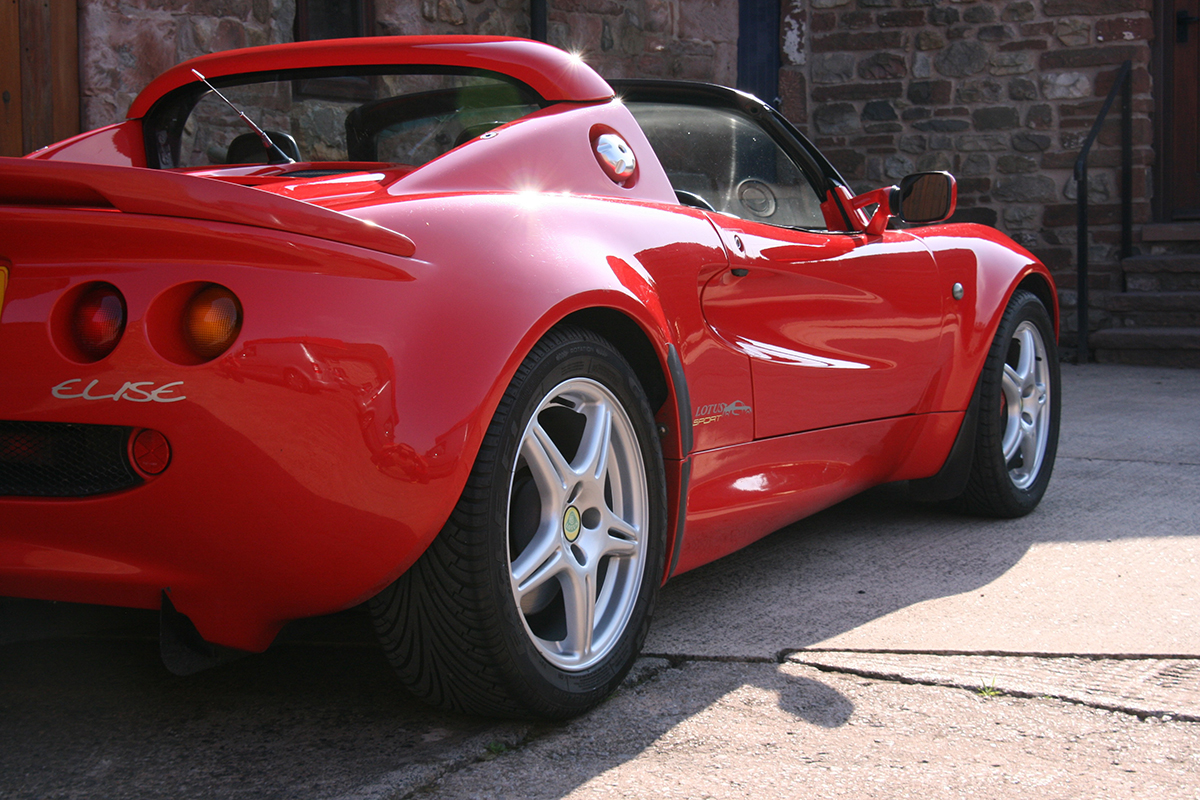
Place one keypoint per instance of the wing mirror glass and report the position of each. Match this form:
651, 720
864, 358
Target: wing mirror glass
925, 197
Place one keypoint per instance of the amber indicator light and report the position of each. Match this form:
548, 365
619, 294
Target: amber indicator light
212, 321
99, 321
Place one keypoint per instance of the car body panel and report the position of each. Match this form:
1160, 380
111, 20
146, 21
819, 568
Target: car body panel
386, 309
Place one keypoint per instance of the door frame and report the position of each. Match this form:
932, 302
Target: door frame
39, 74
1164, 203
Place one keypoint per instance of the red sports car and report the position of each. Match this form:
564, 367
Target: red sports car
454, 327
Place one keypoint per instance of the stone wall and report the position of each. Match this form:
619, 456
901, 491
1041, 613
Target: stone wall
1001, 93
124, 44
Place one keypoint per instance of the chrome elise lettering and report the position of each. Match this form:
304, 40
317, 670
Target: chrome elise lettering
133, 391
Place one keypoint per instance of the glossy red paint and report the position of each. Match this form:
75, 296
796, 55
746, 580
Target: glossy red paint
118, 145
553, 74
387, 308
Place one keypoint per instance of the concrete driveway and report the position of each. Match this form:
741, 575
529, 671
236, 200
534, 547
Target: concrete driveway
879, 649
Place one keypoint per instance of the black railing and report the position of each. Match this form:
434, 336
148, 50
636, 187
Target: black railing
1124, 85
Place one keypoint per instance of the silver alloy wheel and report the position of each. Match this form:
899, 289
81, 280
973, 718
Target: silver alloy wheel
579, 512
1027, 404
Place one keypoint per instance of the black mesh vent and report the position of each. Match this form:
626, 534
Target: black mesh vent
56, 459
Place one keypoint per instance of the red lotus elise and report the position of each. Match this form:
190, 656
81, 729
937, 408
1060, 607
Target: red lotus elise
454, 327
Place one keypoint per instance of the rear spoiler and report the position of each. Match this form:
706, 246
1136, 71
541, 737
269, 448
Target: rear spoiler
135, 190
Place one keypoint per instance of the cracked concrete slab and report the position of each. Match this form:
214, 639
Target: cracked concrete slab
758, 681
1167, 688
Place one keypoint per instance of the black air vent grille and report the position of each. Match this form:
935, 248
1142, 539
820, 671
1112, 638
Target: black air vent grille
57, 459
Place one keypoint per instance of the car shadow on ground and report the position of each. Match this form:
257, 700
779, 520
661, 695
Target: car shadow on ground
321, 715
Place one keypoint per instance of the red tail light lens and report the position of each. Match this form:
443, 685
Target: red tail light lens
212, 320
98, 321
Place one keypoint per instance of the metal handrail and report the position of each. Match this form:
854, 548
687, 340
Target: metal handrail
1124, 84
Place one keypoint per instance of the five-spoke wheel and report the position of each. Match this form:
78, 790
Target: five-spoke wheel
537, 595
1017, 435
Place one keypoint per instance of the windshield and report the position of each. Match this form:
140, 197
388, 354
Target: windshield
341, 116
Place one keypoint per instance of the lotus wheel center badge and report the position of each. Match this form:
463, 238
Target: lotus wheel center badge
571, 523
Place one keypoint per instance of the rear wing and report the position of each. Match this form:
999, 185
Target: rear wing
134, 190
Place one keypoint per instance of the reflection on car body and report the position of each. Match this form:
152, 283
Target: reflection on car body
504, 349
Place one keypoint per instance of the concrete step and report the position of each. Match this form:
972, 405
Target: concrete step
1151, 309
1158, 346
1163, 273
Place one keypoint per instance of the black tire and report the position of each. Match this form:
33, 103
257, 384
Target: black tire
1019, 406
460, 630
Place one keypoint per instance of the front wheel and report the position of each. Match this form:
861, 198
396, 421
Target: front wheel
537, 595
1019, 405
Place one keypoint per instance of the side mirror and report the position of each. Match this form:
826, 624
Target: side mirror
921, 198
925, 197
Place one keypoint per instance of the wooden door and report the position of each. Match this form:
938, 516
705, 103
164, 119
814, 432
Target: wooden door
39, 74
1182, 168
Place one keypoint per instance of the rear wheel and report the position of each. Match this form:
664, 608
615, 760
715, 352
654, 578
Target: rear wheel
1017, 437
536, 597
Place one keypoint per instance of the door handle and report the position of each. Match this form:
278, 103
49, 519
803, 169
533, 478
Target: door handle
1182, 20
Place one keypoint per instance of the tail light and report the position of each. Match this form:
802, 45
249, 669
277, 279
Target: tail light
212, 320
98, 321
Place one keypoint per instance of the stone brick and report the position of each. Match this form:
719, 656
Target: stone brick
1124, 29
982, 13
851, 163
836, 119
1016, 164
823, 21
1022, 89
1023, 45
833, 68
981, 90
1073, 32
877, 3
842, 42
929, 92
1026, 189
879, 111
914, 143
935, 162
1018, 12
1101, 8
930, 40
981, 143
980, 216
896, 167
976, 164
793, 96
943, 15
961, 59
952, 111
1030, 142
975, 185
1021, 217
881, 67
902, 19
995, 33
916, 112
1011, 64
1039, 117
858, 91
856, 20
942, 125
1094, 56
1064, 85
996, 118
829, 3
